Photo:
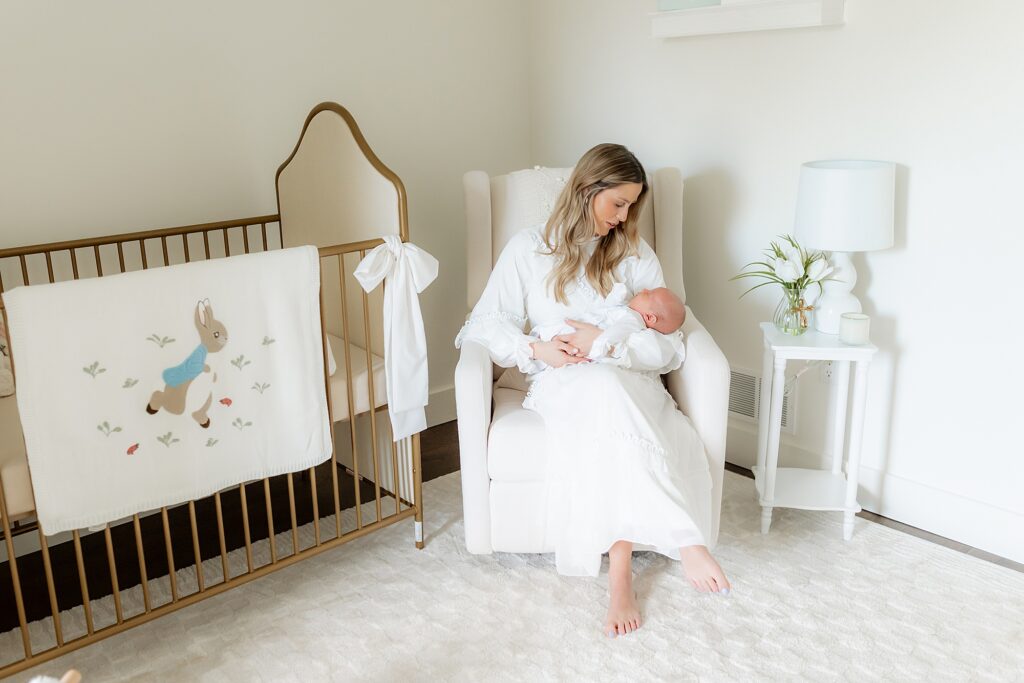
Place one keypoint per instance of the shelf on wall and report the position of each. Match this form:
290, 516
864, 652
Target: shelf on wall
735, 16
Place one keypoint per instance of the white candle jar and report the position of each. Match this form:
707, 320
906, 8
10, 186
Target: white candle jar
854, 328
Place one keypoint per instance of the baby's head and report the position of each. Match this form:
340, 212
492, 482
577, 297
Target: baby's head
661, 309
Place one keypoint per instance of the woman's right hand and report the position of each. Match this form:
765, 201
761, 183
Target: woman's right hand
557, 353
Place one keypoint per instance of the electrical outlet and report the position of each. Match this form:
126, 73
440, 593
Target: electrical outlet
825, 372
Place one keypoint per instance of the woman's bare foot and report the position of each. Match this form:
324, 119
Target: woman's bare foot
623, 613
703, 571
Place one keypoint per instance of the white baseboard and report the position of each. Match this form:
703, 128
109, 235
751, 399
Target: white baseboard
441, 406
973, 522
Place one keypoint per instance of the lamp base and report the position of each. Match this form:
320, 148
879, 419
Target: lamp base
836, 295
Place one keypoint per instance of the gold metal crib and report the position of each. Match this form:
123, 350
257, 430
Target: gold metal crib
368, 484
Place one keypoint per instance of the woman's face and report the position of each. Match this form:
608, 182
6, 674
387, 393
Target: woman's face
611, 205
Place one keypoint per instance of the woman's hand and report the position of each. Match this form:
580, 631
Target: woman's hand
557, 353
583, 338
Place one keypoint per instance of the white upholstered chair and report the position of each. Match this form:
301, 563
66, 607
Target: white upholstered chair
501, 443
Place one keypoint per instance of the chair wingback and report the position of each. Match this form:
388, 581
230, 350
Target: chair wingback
499, 207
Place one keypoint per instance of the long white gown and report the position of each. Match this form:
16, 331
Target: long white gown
622, 462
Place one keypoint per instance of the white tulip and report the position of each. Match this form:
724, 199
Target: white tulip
789, 271
819, 270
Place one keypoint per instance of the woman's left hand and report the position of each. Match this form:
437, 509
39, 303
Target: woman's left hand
583, 338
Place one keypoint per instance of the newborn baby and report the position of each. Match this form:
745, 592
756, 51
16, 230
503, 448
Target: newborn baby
658, 309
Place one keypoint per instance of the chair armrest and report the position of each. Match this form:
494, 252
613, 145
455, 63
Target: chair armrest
473, 388
700, 387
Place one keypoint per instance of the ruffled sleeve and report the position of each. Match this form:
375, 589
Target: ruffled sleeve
499, 317
646, 349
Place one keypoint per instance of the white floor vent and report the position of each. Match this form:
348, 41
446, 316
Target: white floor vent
745, 398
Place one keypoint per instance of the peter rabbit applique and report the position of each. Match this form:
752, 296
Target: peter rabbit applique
189, 385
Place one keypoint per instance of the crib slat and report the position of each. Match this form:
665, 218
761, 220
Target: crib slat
74, 264
24, 270
348, 391
184, 246
263, 230
195, 545
49, 267
330, 402
394, 477
220, 534
113, 575
316, 506
291, 506
227, 245
163, 247
120, 256
369, 383
99, 261
270, 521
83, 584
245, 527
1, 281
206, 243
172, 573
142, 563
44, 547
142, 251
245, 237
12, 562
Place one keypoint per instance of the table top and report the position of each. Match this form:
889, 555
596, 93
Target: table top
814, 345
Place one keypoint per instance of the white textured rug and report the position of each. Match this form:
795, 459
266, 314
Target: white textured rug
805, 605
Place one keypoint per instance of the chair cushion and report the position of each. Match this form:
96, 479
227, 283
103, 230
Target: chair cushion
516, 443
13, 463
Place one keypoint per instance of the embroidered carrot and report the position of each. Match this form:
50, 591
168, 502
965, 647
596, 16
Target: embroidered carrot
226, 401
131, 449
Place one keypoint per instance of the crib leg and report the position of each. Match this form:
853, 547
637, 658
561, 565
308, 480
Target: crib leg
417, 483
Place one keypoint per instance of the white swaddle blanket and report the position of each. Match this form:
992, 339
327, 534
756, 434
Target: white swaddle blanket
155, 387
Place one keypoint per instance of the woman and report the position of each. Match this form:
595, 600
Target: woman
624, 465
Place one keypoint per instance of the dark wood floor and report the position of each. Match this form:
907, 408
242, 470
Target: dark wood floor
439, 452
440, 456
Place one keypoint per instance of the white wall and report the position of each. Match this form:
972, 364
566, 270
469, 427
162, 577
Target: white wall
937, 91
122, 116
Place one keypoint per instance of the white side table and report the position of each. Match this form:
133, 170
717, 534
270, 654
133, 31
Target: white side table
806, 489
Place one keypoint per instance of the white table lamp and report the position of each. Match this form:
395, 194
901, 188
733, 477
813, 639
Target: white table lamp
844, 206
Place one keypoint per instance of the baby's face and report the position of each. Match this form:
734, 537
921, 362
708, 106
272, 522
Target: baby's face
661, 309
644, 302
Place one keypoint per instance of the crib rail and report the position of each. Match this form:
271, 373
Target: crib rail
54, 600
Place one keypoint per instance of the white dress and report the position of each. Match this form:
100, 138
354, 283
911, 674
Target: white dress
622, 462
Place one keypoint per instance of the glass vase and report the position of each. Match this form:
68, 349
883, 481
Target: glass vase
792, 315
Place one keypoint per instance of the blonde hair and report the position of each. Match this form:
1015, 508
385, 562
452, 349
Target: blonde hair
571, 224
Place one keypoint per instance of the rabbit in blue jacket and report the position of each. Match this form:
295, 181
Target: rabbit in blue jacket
183, 385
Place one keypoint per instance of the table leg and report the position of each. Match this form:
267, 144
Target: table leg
860, 385
774, 433
764, 409
842, 393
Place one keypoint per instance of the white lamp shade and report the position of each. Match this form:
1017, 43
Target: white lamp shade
846, 205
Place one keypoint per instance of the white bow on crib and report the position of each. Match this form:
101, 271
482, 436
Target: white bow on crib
408, 270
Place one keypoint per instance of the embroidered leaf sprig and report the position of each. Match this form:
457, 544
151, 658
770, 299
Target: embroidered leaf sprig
160, 341
211, 442
240, 362
94, 369
107, 429
167, 439
240, 424
129, 382
260, 387
267, 341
